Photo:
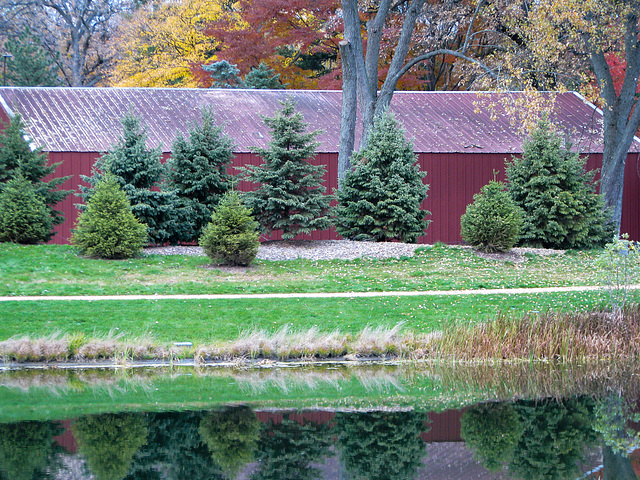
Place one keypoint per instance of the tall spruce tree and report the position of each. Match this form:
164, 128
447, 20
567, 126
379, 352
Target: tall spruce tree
140, 173
18, 158
197, 170
30, 65
558, 197
290, 196
380, 199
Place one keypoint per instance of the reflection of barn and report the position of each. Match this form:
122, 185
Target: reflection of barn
461, 137
446, 456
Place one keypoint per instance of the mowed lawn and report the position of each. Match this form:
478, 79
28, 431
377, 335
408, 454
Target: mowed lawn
57, 270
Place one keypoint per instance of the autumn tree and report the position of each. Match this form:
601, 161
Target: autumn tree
158, 44
296, 38
599, 30
361, 83
78, 30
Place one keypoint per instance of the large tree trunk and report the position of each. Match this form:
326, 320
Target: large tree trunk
349, 109
620, 112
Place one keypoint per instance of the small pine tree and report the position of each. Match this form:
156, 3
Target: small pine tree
197, 170
263, 77
558, 197
140, 172
30, 65
492, 222
18, 158
232, 235
224, 75
107, 228
24, 217
380, 198
290, 196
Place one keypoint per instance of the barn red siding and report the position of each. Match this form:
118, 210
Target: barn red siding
453, 180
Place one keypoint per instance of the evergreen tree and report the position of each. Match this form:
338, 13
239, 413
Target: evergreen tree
30, 65
380, 199
139, 172
197, 170
109, 442
107, 228
381, 445
558, 197
17, 157
232, 436
24, 217
263, 77
290, 196
224, 75
492, 222
232, 235
287, 450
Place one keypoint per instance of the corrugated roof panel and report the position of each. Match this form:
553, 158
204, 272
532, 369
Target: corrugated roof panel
88, 119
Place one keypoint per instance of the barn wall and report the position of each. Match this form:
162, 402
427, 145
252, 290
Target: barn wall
453, 179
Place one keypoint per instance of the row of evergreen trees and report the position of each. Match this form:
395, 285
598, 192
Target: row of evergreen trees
550, 201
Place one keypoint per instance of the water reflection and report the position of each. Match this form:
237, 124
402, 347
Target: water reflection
550, 439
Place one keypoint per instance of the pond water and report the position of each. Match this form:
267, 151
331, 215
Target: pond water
333, 422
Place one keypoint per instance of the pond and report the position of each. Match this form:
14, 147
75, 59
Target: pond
405, 421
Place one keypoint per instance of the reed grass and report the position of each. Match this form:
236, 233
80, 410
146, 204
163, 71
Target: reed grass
552, 337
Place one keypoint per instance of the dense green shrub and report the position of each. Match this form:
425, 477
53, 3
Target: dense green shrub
380, 199
558, 197
197, 170
492, 222
231, 236
107, 228
141, 174
18, 158
290, 196
24, 216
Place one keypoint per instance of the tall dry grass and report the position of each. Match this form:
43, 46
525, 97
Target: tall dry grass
566, 337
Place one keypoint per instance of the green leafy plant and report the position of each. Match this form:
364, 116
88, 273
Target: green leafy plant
492, 222
619, 266
232, 235
197, 170
290, 196
107, 228
558, 197
380, 199
24, 216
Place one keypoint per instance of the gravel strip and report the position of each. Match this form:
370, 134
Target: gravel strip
310, 249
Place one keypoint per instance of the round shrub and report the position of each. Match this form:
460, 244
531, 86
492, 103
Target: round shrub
107, 228
492, 223
24, 215
231, 236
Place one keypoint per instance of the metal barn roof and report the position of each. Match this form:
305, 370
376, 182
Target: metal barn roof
88, 119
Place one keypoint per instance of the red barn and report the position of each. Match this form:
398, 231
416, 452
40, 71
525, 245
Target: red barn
461, 138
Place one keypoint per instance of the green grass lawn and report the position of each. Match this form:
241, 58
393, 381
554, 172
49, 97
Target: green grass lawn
57, 270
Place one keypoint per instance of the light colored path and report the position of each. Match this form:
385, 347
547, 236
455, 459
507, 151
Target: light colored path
431, 293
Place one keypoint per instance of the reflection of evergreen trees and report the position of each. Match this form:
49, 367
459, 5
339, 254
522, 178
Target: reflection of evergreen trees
232, 437
174, 451
27, 450
538, 440
109, 442
381, 445
492, 431
286, 449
